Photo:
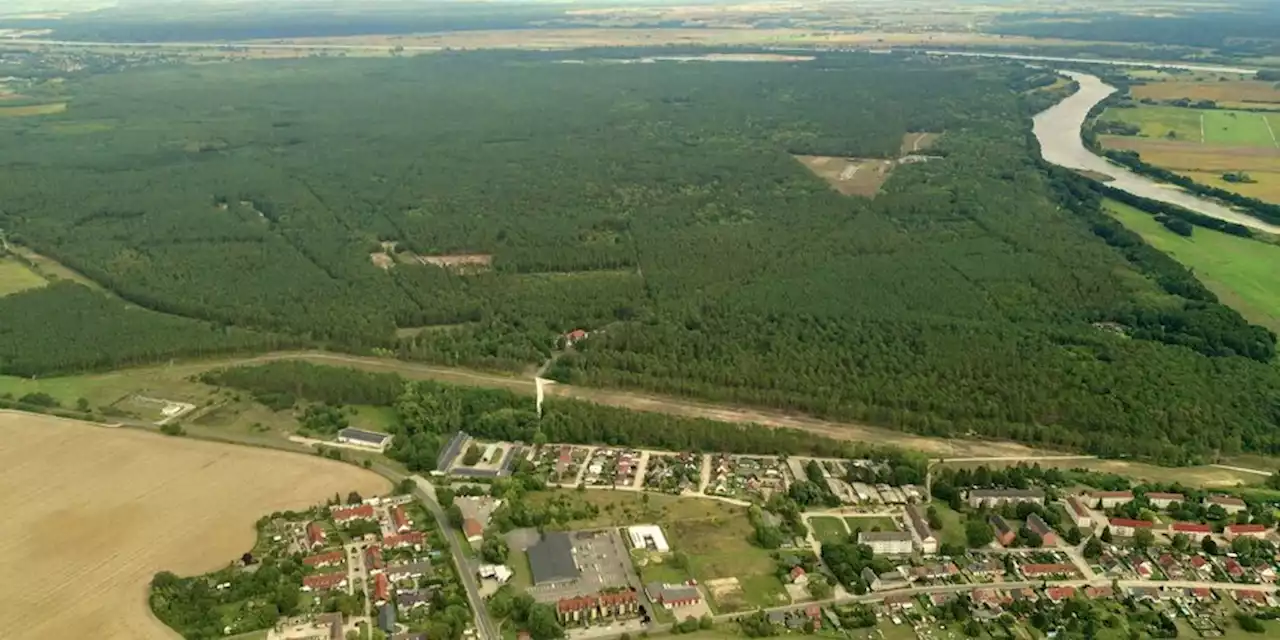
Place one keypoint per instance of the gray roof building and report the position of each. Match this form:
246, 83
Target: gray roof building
372, 438
551, 560
668, 594
884, 536
387, 618
411, 599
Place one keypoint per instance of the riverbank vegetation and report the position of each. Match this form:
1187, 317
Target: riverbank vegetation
657, 206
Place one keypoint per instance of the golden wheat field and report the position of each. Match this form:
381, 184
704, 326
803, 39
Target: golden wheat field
92, 513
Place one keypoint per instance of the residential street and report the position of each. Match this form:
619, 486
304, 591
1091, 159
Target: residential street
484, 623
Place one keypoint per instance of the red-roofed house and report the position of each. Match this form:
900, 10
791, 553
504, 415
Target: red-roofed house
1058, 594
1201, 564
315, 535
347, 514
473, 530
1163, 500
411, 539
1201, 593
1079, 513
1112, 498
814, 612
381, 588
1098, 592
574, 337
399, 519
798, 576
1252, 597
324, 581
324, 559
373, 559
1191, 528
1234, 569
1170, 566
1125, 527
1234, 531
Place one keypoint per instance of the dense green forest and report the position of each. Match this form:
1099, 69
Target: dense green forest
657, 205
1252, 28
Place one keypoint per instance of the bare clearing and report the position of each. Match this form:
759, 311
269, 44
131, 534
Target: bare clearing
93, 513
916, 142
850, 176
460, 262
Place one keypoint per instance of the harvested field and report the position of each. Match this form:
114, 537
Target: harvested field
1266, 185
1228, 93
1192, 156
33, 110
850, 176
15, 277
93, 513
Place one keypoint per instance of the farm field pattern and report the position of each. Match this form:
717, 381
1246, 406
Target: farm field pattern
96, 512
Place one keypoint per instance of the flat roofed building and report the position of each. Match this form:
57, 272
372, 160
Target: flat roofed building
648, 537
992, 497
552, 560
362, 438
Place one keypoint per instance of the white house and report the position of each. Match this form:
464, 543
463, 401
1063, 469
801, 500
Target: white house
889, 543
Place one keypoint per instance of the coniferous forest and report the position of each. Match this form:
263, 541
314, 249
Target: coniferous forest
277, 203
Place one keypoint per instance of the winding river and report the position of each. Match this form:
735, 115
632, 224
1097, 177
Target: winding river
1058, 130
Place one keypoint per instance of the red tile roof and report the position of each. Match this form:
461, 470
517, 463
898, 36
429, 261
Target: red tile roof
1057, 594
618, 597
398, 518
315, 534
1078, 507
320, 559
1191, 527
1254, 596
1177, 497
404, 540
1112, 494
1132, 524
1235, 502
373, 558
1245, 528
323, 581
381, 587
1099, 592
796, 572
580, 603
472, 527
1198, 561
353, 513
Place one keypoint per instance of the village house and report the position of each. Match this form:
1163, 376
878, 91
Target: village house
315, 535
1228, 503
473, 530
1201, 565
1003, 530
1038, 526
672, 596
584, 610
409, 600
373, 559
381, 589
1169, 565
324, 559
1233, 568
1034, 571
798, 576
324, 581
1080, 514
940, 571
1165, 500
919, 523
343, 515
996, 497
408, 570
1193, 529
414, 539
1254, 598
574, 337
1094, 593
399, 520
887, 543
986, 568
1234, 531
1111, 499
1125, 527
885, 581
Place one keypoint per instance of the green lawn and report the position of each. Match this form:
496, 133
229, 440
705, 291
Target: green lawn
952, 525
763, 590
828, 529
870, 523
1273, 120
1242, 272
1158, 122
519, 563
381, 419
15, 277
1239, 128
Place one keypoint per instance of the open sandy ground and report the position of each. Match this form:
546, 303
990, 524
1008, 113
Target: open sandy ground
92, 513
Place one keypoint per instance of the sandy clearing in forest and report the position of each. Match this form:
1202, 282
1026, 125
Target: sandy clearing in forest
91, 514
